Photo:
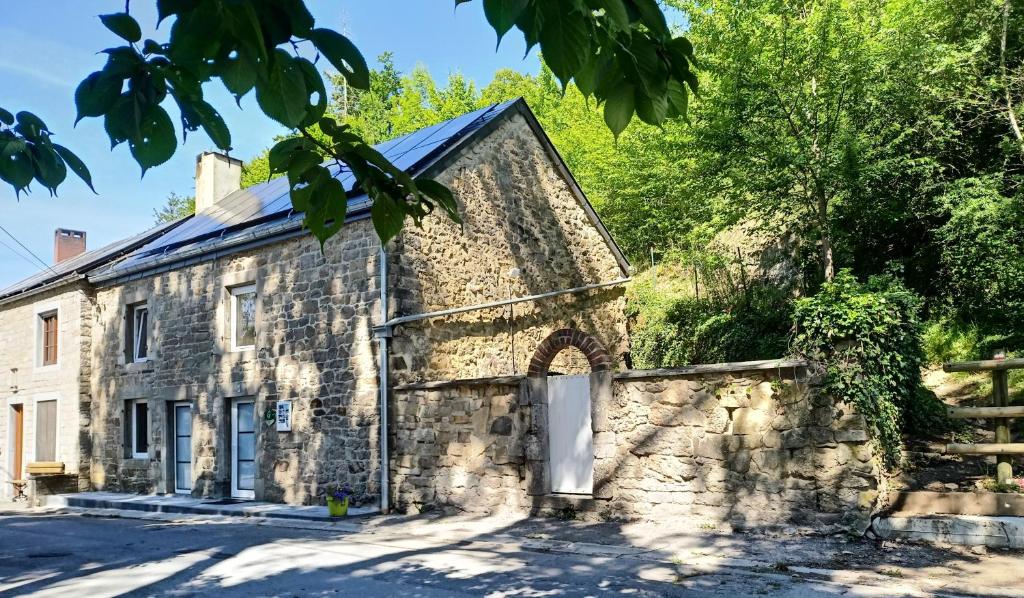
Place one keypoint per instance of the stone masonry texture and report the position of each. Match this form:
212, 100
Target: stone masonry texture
747, 448
313, 347
524, 233
315, 344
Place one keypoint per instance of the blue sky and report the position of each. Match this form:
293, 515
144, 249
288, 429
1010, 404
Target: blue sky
46, 48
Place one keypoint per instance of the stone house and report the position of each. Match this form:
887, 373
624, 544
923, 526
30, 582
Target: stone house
45, 361
479, 367
193, 341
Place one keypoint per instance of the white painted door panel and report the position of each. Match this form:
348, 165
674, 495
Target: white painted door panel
570, 437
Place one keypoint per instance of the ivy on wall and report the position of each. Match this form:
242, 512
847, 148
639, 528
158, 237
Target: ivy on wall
868, 336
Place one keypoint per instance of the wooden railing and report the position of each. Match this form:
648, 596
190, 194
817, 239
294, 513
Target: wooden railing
1000, 412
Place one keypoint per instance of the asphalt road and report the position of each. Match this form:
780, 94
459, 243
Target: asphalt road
72, 555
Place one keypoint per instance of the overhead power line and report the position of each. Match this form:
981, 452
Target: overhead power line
17, 253
30, 252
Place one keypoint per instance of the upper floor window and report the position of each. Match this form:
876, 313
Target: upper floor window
48, 337
243, 317
139, 336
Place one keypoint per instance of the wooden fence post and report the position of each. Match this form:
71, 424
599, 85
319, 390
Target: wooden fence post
1000, 398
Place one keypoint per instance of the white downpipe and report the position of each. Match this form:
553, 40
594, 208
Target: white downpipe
383, 340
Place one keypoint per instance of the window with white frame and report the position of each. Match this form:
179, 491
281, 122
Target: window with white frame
48, 333
137, 430
138, 336
243, 317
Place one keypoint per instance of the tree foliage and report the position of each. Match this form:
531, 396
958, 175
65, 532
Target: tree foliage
176, 207
619, 51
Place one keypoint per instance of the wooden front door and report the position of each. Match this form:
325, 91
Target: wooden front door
18, 429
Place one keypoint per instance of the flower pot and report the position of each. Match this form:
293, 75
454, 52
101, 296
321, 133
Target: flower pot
337, 508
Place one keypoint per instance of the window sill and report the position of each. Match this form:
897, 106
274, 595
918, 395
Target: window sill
136, 461
139, 366
43, 369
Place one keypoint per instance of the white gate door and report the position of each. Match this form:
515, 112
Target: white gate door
570, 436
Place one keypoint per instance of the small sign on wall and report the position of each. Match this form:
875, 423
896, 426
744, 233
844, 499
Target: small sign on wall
284, 416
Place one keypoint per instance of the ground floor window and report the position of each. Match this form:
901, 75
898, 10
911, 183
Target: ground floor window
137, 414
46, 431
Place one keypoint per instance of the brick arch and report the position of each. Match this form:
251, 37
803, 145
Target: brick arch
568, 337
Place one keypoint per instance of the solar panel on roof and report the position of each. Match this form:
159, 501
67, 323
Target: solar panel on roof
271, 200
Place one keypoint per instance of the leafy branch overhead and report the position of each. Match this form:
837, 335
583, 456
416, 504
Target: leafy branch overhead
620, 51
27, 153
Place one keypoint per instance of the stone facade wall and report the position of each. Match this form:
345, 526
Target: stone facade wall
460, 446
519, 214
314, 347
24, 380
749, 448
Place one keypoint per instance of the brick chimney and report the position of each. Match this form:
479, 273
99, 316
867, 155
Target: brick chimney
217, 176
67, 244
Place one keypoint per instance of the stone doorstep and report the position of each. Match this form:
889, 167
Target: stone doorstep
193, 506
963, 530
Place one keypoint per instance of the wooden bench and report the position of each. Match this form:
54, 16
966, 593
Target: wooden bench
39, 468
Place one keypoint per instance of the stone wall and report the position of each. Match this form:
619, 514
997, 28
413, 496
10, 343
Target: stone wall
314, 347
520, 215
757, 447
24, 380
747, 448
461, 446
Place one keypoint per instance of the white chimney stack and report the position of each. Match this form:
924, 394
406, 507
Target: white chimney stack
217, 176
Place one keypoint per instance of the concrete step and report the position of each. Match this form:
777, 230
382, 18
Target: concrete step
193, 506
963, 530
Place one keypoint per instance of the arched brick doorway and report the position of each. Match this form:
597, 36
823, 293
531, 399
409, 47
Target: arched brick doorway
568, 337
564, 404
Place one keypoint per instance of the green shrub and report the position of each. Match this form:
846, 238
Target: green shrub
946, 339
982, 260
868, 336
674, 330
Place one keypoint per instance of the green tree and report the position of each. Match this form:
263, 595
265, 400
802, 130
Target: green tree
619, 51
176, 207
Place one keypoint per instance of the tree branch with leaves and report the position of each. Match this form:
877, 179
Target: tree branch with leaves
622, 52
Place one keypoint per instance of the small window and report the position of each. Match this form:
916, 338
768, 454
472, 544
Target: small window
140, 333
243, 317
48, 332
138, 428
46, 431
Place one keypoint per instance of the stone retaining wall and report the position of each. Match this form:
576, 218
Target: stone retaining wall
748, 447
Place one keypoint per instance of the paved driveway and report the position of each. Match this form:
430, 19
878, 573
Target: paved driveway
75, 555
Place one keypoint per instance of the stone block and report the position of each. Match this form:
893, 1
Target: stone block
851, 435
657, 440
795, 438
761, 397
750, 421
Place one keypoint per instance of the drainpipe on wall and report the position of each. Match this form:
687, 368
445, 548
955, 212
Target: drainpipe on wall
383, 333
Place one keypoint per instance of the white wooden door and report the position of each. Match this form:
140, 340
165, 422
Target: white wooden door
243, 449
182, 448
570, 436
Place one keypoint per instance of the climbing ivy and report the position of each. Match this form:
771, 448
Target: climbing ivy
868, 337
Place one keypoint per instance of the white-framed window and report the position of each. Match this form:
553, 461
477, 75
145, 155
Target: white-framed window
139, 333
137, 414
243, 317
48, 334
